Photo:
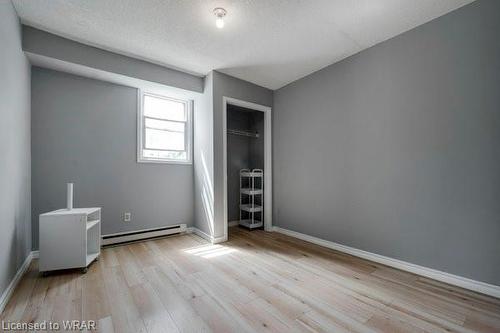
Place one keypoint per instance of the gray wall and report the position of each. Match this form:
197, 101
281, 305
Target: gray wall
396, 150
242, 152
84, 131
48, 45
15, 216
203, 157
225, 85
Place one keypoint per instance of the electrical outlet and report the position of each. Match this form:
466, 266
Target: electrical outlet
127, 217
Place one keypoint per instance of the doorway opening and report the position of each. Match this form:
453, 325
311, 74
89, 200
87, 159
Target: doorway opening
247, 165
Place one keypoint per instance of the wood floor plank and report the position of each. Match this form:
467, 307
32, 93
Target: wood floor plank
261, 321
37, 297
105, 325
108, 258
263, 288
129, 265
256, 282
313, 322
155, 316
124, 312
67, 302
216, 316
185, 317
95, 305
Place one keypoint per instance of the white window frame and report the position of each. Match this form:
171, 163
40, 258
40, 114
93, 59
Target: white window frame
141, 130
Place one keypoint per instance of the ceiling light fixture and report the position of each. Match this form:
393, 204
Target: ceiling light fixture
219, 13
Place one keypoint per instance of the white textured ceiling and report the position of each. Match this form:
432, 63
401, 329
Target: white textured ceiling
267, 42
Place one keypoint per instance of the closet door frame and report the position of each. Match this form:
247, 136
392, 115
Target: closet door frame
268, 180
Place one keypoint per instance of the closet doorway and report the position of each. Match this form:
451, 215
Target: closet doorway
247, 145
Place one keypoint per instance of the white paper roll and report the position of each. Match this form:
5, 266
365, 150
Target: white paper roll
69, 196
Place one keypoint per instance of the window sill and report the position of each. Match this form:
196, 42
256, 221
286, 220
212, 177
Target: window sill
164, 162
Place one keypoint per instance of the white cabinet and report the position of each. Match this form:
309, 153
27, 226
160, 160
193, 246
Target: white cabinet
69, 238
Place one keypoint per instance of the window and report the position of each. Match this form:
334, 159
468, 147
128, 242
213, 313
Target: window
164, 129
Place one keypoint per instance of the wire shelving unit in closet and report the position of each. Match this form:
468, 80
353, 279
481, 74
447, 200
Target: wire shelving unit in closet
251, 198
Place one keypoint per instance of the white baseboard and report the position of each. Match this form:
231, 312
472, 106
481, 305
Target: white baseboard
459, 281
200, 233
218, 240
204, 235
7, 294
233, 223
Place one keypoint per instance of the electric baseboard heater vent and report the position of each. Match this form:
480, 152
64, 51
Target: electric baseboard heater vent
132, 236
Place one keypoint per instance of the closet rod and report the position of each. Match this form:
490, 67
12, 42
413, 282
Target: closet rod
243, 133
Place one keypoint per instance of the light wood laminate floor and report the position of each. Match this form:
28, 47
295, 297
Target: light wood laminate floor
256, 282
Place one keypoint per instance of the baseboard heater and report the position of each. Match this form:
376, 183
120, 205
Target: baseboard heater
131, 236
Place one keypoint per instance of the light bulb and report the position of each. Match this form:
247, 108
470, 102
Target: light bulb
219, 22
219, 14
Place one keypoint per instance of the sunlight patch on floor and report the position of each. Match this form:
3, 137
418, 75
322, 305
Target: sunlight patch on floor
210, 251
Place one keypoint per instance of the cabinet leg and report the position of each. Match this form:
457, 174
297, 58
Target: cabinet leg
45, 274
84, 270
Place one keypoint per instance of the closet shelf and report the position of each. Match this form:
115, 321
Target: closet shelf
251, 224
252, 174
249, 134
251, 208
250, 191
92, 223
